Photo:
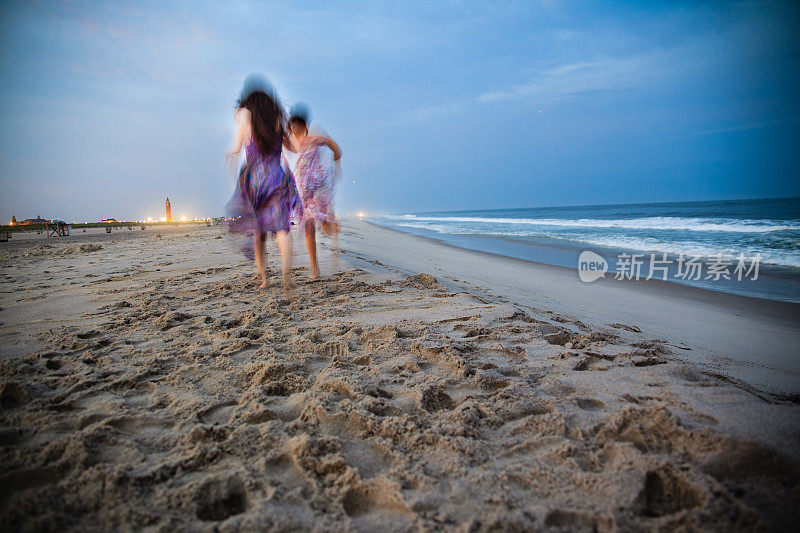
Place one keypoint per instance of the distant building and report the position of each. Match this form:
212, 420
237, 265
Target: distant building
169, 211
37, 220
108, 220
13, 220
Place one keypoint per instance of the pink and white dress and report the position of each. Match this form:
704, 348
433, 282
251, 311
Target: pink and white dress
315, 174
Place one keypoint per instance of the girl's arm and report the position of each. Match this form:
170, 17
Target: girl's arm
327, 141
242, 118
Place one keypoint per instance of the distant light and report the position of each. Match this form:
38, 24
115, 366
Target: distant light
183, 218
361, 214
354, 181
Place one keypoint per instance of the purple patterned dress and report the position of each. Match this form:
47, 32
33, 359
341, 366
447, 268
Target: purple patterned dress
266, 195
316, 176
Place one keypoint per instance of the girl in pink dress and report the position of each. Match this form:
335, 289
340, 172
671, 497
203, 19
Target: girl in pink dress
315, 173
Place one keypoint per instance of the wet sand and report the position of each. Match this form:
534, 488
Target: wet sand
753, 341
147, 384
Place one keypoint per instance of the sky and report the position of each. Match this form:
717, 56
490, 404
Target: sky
107, 108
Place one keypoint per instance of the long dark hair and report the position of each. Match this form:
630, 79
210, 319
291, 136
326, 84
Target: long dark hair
267, 120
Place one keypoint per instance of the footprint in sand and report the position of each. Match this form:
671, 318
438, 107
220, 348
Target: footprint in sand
433, 399
667, 491
217, 414
379, 499
589, 404
220, 498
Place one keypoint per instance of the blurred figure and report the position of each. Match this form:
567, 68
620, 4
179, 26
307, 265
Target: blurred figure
266, 194
316, 168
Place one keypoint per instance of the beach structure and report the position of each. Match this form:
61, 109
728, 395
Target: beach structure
169, 211
57, 228
13, 220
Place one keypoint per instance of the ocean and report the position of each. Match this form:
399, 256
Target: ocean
746, 247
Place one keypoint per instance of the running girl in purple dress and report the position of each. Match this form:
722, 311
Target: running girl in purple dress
266, 195
316, 170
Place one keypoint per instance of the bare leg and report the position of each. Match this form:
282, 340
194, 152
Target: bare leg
285, 246
311, 244
258, 249
332, 230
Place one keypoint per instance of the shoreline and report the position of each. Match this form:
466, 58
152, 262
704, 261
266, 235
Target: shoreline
775, 282
568, 269
746, 326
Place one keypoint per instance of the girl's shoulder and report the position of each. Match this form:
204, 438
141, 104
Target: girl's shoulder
242, 116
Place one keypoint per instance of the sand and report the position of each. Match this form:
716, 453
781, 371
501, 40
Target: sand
750, 340
147, 384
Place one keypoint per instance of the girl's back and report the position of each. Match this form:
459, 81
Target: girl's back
316, 167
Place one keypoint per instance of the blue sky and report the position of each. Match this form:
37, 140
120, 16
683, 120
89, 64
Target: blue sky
107, 108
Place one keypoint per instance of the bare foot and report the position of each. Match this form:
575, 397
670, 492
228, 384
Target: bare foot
264, 284
314, 275
288, 290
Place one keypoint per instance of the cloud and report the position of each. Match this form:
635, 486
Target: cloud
750, 126
564, 81
579, 77
424, 113
606, 74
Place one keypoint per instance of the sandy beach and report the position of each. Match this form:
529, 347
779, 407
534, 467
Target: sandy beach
147, 384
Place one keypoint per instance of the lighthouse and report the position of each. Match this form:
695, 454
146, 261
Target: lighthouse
169, 211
